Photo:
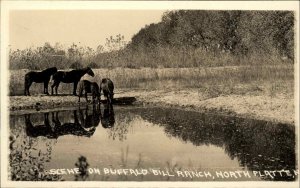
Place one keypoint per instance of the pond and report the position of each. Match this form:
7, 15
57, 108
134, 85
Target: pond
135, 143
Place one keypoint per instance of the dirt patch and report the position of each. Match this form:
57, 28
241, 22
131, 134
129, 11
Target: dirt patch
278, 108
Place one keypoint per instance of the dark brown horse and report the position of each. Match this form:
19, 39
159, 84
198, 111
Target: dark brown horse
89, 87
107, 86
72, 76
39, 77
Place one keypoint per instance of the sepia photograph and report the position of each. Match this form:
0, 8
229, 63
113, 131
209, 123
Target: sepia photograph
149, 94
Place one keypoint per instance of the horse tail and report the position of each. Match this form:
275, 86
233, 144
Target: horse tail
26, 83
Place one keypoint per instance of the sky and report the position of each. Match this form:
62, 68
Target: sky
89, 27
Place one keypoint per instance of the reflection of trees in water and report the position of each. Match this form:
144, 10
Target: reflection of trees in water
26, 160
259, 145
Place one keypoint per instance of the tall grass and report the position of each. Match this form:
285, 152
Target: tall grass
213, 80
158, 57
184, 57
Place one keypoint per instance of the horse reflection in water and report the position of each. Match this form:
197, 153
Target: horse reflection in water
108, 117
84, 124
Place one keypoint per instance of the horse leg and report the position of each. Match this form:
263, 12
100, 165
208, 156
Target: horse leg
56, 88
27, 86
99, 99
80, 93
75, 87
55, 84
46, 87
86, 97
52, 86
94, 98
100, 95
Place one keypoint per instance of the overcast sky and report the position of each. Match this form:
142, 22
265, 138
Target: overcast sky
89, 27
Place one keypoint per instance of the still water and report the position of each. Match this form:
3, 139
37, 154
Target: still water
148, 144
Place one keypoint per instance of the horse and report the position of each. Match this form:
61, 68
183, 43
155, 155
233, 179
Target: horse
108, 89
89, 87
72, 76
39, 77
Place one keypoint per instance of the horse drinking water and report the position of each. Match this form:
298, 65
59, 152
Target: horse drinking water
39, 77
89, 87
72, 76
108, 89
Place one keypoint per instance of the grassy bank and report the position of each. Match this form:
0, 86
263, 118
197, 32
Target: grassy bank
214, 81
260, 92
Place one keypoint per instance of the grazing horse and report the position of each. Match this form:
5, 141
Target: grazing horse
72, 76
108, 89
39, 77
89, 87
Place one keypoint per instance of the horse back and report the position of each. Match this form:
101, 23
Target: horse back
62, 77
37, 77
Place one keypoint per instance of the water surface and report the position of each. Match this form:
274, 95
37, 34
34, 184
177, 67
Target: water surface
165, 144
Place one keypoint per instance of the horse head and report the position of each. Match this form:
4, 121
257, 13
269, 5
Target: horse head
90, 72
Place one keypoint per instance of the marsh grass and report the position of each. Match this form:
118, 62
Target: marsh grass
214, 81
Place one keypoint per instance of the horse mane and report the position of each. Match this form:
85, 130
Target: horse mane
88, 70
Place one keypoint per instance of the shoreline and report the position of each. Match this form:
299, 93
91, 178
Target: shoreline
279, 108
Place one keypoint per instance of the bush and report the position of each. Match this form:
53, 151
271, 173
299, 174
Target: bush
76, 65
93, 65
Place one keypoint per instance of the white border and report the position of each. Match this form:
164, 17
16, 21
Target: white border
7, 6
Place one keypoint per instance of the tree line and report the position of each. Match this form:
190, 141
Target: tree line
183, 38
236, 32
